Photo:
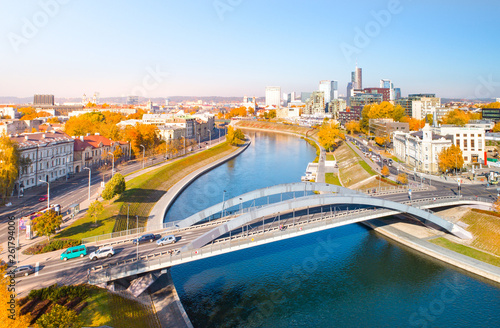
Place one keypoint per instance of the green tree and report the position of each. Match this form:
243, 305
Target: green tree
59, 316
456, 117
47, 223
115, 186
9, 166
95, 209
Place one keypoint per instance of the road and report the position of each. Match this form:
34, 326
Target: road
75, 190
74, 271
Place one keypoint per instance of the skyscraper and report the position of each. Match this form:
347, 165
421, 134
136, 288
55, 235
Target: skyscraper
273, 96
328, 88
43, 100
350, 92
358, 78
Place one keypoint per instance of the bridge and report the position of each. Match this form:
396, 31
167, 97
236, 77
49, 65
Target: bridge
285, 219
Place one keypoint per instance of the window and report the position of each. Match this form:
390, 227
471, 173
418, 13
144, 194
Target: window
466, 158
465, 144
458, 135
472, 144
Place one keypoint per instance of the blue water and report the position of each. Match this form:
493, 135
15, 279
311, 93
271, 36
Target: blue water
344, 277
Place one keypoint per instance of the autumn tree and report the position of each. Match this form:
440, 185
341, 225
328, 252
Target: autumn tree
429, 118
118, 152
9, 166
402, 178
136, 116
95, 209
492, 105
385, 171
141, 134
54, 120
47, 223
450, 158
496, 128
383, 141
59, 316
9, 312
234, 136
330, 136
413, 123
456, 117
352, 127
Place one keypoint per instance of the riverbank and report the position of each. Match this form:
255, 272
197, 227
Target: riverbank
411, 240
445, 255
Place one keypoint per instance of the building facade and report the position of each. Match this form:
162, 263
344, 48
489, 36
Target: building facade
93, 151
50, 157
273, 96
385, 127
335, 107
43, 100
470, 139
492, 114
420, 149
316, 104
385, 92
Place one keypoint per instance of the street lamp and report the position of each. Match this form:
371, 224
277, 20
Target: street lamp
143, 154
210, 135
241, 205
48, 192
90, 174
199, 135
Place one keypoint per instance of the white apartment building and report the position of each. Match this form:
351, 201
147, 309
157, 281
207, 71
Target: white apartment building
51, 156
426, 105
420, 149
273, 96
470, 139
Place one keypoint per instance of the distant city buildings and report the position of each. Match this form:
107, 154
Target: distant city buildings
419, 105
43, 100
330, 89
133, 100
8, 112
357, 78
273, 96
335, 107
316, 104
304, 96
497, 100
249, 102
385, 92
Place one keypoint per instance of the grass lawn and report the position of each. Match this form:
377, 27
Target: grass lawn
106, 308
468, 251
485, 229
332, 178
367, 168
330, 157
142, 193
349, 165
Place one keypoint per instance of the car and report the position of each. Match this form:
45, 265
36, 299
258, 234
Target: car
169, 239
147, 237
106, 251
72, 252
24, 270
43, 198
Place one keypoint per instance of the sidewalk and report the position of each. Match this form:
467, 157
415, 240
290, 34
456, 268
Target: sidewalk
68, 221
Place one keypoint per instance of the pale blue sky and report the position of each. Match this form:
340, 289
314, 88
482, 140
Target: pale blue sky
112, 46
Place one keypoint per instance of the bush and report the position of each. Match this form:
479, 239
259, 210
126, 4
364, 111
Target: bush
58, 294
54, 245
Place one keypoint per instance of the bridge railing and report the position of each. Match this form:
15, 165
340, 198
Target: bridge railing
245, 239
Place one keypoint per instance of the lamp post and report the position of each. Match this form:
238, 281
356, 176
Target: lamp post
90, 174
184, 139
48, 192
199, 135
241, 205
210, 136
143, 154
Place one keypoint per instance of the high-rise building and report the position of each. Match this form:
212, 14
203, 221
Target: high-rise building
385, 92
358, 79
43, 100
419, 105
497, 100
133, 100
304, 96
328, 88
273, 96
386, 84
316, 104
397, 93
350, 92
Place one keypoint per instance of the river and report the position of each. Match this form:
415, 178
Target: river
344, 277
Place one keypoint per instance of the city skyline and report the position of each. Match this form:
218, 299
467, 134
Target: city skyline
217, 48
